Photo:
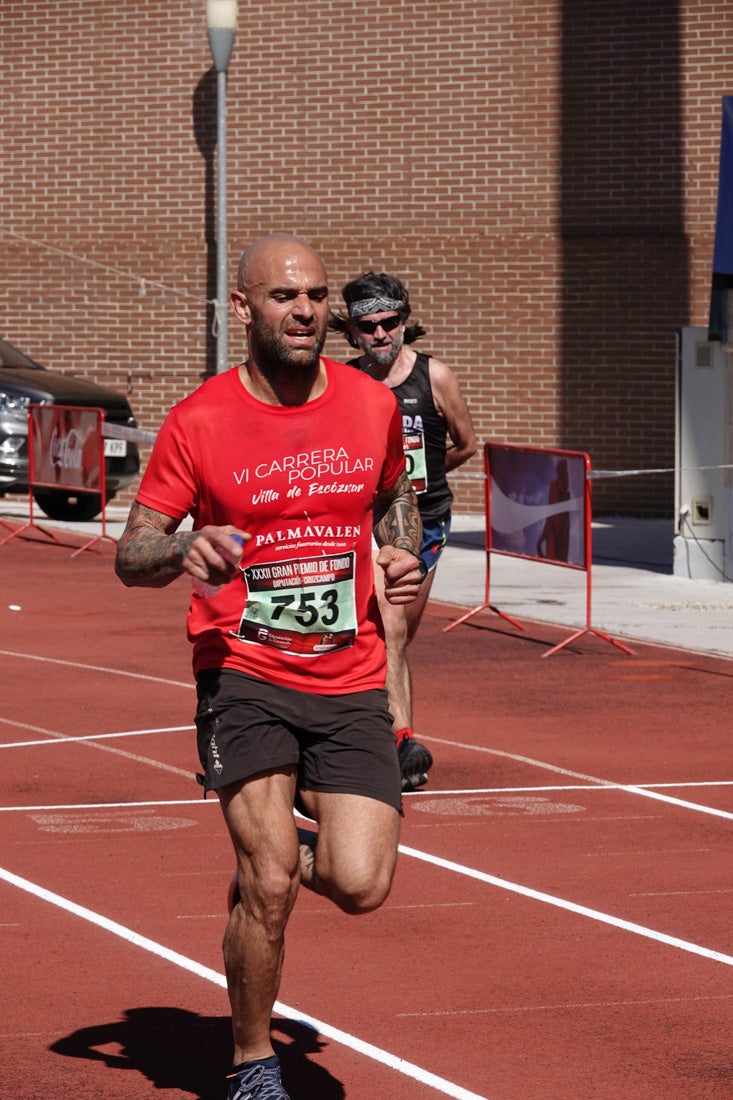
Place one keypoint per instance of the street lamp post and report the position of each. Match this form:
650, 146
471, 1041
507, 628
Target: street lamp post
221, 25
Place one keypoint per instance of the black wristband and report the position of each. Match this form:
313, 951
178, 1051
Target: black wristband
423, 569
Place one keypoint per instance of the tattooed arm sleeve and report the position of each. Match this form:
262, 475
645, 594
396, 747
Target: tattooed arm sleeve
150, 552
396, 518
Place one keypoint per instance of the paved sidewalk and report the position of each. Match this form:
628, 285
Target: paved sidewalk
633, 591
634, 594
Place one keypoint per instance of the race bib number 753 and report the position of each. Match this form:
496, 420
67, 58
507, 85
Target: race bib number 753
305, 607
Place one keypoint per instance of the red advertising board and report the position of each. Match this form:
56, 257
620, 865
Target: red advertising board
537, 503
67, 449
538, 507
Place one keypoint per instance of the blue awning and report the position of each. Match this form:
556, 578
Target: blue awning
723, 250
723, 254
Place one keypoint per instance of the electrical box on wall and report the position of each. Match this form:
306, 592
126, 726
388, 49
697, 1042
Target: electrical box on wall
702, 455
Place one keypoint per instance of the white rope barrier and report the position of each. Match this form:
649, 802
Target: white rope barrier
594, 475
134, 435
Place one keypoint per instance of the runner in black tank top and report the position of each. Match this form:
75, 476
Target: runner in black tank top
438, 437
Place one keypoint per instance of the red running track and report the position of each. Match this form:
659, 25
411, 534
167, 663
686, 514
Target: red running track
560, 924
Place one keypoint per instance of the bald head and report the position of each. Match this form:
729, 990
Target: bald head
277, 251
282, 300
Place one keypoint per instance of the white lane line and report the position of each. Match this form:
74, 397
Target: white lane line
96, 668
607, 786
111, 805
629, 788
187, 773
200, 801
61, 739
569, 906
53, 736
596, 780
408, 1069
593, 783
460, 869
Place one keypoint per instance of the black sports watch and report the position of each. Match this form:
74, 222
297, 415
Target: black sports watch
423, 569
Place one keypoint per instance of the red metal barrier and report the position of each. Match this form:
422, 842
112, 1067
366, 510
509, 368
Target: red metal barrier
538, 507
65, 451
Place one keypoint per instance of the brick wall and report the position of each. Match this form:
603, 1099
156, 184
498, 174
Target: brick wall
542, 174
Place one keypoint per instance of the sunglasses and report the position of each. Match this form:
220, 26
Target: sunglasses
387, 323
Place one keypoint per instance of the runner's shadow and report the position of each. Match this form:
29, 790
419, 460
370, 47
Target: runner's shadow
177, 1049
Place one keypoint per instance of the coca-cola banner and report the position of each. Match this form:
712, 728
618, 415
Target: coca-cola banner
66, 447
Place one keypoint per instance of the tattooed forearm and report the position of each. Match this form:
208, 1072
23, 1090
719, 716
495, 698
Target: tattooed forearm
396, 518
150, 552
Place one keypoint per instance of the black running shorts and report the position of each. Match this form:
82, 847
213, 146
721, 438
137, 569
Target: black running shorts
338, 743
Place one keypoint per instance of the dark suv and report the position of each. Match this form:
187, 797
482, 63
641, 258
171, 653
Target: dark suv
23, 383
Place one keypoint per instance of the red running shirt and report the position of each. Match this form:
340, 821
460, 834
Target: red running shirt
301, 480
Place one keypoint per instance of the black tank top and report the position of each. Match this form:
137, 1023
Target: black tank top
424, 436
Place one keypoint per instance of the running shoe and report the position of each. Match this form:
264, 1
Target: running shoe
415, 763
258, 1082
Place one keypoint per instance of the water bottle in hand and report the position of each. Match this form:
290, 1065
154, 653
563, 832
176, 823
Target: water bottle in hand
204, 588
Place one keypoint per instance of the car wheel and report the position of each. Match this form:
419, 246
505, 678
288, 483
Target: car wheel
59, 504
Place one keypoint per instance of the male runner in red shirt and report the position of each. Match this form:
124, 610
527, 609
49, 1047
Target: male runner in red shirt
303, 459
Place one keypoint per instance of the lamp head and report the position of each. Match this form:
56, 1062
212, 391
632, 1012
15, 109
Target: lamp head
221, 25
